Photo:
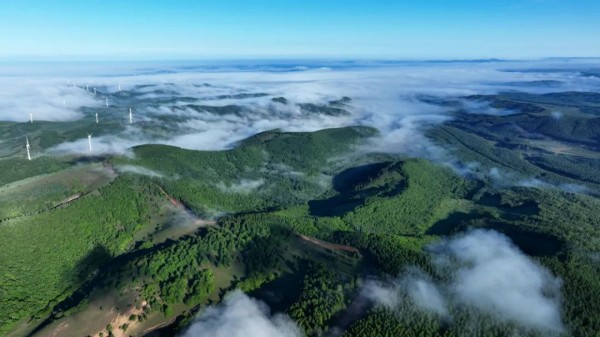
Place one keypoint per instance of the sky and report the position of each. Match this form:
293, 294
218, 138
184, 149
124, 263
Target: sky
381, 29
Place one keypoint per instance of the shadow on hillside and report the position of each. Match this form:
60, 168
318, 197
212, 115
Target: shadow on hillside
90, 263
530, 242
93, 270
351, 192
454, 223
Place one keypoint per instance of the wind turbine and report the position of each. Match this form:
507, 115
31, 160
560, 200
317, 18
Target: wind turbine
96, 118
90, 141
130, 116
31, 117
28, 147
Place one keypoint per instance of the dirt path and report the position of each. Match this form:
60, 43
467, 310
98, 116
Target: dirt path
328, 245
158, 326
174, 201
68, 200
180, 206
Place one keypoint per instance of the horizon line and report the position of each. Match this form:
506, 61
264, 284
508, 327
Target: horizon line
79, 59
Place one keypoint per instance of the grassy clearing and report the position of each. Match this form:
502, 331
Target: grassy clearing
39, 268
43, 192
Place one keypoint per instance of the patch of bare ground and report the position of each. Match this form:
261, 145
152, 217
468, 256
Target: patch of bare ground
121, 323
59, 329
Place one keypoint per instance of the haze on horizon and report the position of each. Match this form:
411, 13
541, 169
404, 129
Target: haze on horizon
437, 29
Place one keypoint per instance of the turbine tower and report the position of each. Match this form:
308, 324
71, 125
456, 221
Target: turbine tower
31, 117
130, 116
96, 118
90, 141
28, 147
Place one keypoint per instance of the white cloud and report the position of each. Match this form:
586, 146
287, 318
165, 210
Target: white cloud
557, 114
482, 107
241, 316
138, 170
415, 284
493, 275
244, 186
427, 295
486, 272
100, 145
381, 293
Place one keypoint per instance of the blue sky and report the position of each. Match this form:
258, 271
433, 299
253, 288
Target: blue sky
172, 29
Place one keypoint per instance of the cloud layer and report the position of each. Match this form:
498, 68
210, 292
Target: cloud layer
385, 96
242, 316
46, 99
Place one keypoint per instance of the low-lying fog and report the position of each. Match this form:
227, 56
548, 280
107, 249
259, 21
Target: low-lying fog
385, 95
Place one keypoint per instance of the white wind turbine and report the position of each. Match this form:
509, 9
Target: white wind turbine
130, 116
90, 141
28, 147
96, 118
31, 117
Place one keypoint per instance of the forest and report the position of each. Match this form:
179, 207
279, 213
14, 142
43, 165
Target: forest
305, 223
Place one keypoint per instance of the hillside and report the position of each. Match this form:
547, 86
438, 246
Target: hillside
140, 244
